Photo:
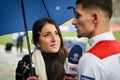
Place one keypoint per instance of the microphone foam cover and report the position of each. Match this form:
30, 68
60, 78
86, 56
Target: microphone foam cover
72, 60
75, 54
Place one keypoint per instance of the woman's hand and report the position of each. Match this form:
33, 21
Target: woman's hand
32, 78
70, 77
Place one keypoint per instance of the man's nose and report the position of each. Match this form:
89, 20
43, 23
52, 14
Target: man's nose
74, 21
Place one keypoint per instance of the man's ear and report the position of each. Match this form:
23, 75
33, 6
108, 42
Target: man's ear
96, 17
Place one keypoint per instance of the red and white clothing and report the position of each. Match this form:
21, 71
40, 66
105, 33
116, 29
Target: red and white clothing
102, 60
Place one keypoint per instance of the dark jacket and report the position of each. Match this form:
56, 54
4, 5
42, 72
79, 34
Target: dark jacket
23, 68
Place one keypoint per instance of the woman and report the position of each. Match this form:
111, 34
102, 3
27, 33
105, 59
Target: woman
50, 55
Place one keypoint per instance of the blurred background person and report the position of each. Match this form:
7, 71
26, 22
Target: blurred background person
19, 44
14, 38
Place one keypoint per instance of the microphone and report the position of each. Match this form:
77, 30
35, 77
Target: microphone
72, 60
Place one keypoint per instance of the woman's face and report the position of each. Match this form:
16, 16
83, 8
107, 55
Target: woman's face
49, 39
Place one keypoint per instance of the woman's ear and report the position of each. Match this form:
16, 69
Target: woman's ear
38, 45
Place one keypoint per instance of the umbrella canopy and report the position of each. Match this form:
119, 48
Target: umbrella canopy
20, 15
11, 17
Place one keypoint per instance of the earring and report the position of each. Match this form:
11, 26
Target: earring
38, 45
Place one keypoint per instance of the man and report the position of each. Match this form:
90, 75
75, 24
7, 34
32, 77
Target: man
102, 60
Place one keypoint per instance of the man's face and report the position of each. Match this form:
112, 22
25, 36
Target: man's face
83, 22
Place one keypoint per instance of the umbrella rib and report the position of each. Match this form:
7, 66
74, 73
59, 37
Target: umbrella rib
46, 9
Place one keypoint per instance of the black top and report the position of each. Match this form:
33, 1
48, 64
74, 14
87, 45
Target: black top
49, 59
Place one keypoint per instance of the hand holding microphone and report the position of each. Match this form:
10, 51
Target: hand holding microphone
72, 60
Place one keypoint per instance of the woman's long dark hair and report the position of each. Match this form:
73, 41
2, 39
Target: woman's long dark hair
57, 70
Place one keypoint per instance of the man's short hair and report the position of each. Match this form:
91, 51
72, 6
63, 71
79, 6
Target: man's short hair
104, 5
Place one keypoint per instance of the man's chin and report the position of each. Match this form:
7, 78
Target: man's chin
79, 36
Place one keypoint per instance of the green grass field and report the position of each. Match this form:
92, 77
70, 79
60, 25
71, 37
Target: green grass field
7, 38
73, 34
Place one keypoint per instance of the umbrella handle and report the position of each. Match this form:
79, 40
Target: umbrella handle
32, 68
33, 73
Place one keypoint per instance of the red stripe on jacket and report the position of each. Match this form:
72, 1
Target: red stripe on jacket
105, 48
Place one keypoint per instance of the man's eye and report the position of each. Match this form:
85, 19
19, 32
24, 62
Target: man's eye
77, 15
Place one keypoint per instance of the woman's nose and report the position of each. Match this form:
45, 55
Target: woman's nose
54, 37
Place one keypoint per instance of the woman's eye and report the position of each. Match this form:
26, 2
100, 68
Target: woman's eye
56, 33
46, 35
